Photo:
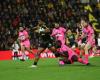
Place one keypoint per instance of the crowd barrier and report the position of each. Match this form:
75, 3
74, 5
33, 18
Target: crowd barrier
8, 55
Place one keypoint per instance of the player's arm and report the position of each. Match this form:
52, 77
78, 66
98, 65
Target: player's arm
53, 33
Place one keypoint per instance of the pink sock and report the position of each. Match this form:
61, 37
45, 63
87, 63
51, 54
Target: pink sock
86, 58
81, 61
61, 62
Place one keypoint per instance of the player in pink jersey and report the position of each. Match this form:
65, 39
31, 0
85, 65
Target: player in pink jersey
24, 42
88, 33
64, 51
59, 33
69, 56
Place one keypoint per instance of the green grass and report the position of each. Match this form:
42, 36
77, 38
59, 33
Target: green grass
48, 69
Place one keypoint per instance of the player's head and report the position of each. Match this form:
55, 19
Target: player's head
21, 28
56, 25
84, 22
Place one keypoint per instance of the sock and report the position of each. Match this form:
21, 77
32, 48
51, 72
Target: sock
86, 58
82, 61
35, 63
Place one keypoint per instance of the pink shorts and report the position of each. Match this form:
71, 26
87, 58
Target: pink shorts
25, 43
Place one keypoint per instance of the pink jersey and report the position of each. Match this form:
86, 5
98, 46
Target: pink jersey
59, 34
23, 35
89, 32
23, 38
69, 50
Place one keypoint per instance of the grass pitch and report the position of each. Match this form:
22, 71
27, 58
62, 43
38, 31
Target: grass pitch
48, 69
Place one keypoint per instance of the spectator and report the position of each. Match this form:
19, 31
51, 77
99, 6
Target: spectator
15, 50
99, 40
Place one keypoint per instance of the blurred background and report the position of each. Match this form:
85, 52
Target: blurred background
16, 13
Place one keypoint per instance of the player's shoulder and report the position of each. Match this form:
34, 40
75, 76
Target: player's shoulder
62, 28
89, 27
26, 32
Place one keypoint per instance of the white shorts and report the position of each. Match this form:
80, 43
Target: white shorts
98, 41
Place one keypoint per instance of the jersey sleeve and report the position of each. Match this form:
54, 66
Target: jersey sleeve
53, 32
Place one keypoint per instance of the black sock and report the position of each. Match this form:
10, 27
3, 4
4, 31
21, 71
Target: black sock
35, 63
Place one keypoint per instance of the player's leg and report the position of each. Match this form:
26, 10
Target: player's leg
29, 50
93, 49
23, 52
86, 55
54, 45
37, 56
81, 47
16, 55
75, 58
42, 47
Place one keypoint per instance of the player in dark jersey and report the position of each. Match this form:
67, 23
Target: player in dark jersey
45, 41
70, 38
